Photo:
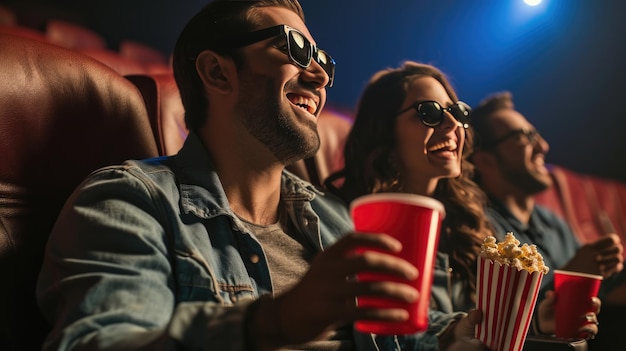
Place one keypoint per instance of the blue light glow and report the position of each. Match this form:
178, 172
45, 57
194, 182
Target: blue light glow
532, 2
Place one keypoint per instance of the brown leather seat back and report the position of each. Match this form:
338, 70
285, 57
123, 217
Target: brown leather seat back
165, 108
62, 115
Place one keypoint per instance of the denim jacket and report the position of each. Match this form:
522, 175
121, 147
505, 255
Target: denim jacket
148, 255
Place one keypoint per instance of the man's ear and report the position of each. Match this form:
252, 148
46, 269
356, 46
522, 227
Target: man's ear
218, 73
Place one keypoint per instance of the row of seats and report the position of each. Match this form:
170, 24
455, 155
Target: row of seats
593, 206
56, 126
131, 57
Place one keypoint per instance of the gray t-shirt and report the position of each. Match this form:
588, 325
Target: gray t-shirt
288, 261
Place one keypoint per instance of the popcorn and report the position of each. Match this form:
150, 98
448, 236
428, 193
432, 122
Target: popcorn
508, 252
508, 279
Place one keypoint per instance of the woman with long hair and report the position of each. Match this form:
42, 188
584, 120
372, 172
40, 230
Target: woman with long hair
411, 135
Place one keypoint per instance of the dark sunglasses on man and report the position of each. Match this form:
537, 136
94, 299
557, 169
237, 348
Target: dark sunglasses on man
431, 113
299, 49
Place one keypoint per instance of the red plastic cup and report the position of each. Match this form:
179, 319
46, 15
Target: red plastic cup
573, 292
415, 221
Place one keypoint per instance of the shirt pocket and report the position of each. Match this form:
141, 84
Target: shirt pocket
195, 281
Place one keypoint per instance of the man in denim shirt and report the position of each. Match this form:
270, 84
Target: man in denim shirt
218, 248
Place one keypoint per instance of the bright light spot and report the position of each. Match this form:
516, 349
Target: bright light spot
532, 2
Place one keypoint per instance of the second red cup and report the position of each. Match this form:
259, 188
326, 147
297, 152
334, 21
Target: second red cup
415, 221
573, 292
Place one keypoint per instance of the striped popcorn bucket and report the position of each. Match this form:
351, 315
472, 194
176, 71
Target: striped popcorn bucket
507, 297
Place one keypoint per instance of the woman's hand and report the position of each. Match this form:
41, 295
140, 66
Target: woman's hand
461, 337
545, 314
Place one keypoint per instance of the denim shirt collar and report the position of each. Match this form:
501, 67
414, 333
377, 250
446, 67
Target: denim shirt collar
535, 228
200, 187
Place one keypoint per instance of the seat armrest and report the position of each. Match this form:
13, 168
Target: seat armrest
550, 343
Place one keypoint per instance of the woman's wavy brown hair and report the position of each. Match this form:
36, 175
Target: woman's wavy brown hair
368, 167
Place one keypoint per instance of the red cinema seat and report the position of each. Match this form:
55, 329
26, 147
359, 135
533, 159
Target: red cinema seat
115, 61
165, 108
63, 115
25, 32
73, 36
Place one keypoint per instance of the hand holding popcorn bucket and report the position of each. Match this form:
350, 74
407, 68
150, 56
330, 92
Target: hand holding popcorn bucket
508, 282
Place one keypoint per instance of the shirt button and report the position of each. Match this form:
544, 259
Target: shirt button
254, 258
305, 222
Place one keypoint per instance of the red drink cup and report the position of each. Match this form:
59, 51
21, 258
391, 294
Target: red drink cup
415, 221
573, 292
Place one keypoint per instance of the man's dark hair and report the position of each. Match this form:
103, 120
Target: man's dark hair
481, 116
214, 24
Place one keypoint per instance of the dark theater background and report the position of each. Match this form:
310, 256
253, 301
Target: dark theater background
563, 60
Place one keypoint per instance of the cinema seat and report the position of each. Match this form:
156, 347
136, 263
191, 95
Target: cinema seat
154, 61
165, 108
141, 52
25, 32
63, 115
73, 36
7, 16
114, 60
592, 206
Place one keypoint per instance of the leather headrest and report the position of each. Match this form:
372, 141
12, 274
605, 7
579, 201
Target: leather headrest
165, 108
63, 115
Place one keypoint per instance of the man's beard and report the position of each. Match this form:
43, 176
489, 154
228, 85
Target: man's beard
277, 127
528, 181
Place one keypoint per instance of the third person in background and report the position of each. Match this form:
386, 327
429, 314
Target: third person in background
510, 166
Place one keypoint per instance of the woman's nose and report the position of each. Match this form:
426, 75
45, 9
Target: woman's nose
449, 122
